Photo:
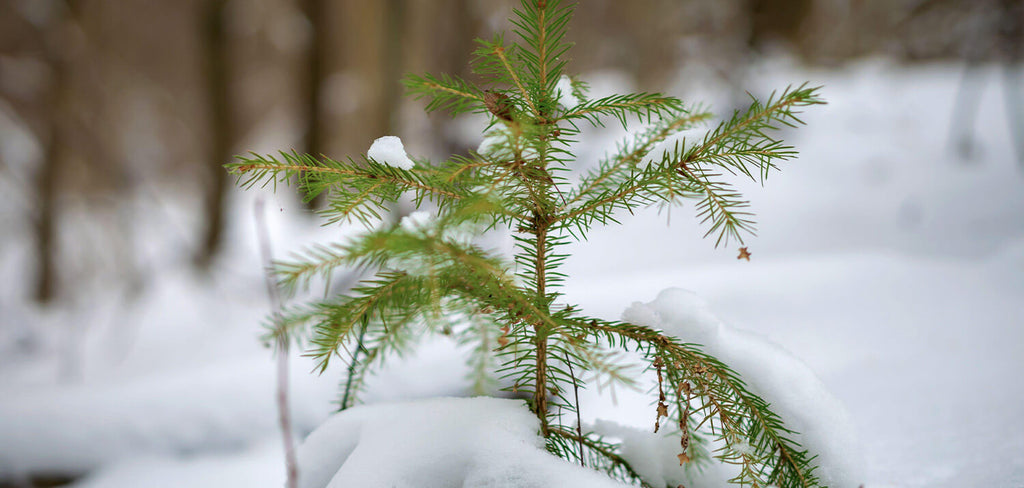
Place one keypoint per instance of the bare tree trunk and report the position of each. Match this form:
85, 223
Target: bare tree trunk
394, 37
1011, 40
215, 48
462, 31
46, 190
47, 178
364, 24
776, 20
315, 12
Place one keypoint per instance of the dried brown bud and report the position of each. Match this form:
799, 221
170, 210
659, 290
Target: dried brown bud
503, 338
498, 104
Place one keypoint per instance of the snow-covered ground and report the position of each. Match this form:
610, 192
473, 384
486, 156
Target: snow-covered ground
892, 268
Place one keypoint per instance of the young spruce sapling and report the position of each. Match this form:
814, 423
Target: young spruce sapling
431, 278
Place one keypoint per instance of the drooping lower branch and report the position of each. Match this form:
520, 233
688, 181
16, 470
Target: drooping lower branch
723, 388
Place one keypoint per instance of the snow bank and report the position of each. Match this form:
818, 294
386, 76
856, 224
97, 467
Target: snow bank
437, 443
784, 381
225, 407
259, 465
390, 151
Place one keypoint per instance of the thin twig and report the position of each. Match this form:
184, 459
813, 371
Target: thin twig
576, 394
281, 348
352, 365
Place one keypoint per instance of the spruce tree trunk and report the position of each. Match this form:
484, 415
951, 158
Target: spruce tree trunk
215, 54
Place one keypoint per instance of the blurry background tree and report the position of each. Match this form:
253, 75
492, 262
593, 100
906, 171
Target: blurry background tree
112, 110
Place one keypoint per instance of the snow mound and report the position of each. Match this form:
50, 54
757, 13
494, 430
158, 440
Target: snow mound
785, 382
220, 407
390, 151
437, 443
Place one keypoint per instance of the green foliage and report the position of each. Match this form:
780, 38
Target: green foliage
431, 278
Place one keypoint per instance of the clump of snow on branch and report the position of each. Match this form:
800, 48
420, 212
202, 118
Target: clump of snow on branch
437, 443
563, 90
418, 222
427, 225
785, 382
424, 224
390, 151
500, 144
495, 144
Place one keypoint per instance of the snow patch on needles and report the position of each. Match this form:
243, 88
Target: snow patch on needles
437, 443
794, 392
500, 143
426, 224
653, 456
563, 90
390, 151
418, 222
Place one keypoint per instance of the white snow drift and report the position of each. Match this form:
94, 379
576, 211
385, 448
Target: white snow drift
771, 372
437, 443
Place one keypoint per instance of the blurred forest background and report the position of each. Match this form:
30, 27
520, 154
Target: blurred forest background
130, 290
106, 103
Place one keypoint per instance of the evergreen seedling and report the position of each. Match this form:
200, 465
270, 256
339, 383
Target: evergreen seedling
432, 278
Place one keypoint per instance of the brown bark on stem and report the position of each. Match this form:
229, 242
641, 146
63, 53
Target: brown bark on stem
540, 394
